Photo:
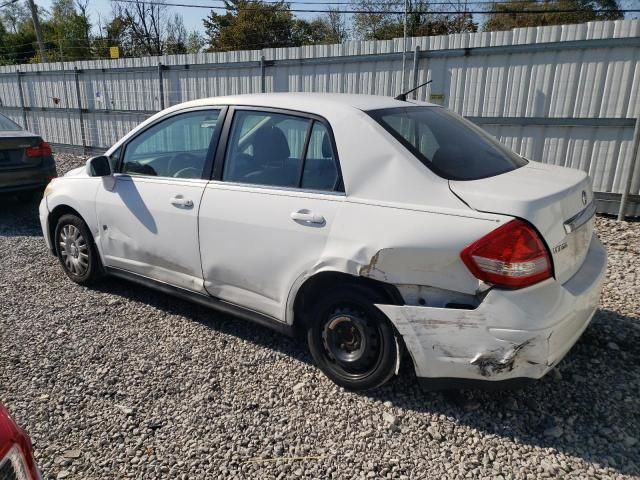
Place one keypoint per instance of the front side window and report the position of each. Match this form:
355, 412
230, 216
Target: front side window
114, 159
276, 149
176, 147
451, 146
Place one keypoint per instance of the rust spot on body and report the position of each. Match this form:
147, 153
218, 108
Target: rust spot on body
371, 269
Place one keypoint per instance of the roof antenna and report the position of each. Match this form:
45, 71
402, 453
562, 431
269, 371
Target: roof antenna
403, 96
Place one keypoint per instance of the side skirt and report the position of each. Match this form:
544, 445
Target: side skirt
208, 301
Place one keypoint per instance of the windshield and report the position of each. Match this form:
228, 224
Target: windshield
451, 146
6, 124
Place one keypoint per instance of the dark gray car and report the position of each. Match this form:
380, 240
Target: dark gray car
26, 161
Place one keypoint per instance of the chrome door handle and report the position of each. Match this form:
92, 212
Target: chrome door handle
307, 217
180, 201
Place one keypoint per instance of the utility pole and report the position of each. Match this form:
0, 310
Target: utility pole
36, 26
404, 46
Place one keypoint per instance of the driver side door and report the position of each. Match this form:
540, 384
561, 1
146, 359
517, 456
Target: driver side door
148, 215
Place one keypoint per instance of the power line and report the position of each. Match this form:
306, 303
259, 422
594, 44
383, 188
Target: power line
304, 2
382, 12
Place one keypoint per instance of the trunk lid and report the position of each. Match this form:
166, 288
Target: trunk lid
557, 201
12, 150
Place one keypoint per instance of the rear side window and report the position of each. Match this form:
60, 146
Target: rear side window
276, 149
8, 125
451, 146
320, 170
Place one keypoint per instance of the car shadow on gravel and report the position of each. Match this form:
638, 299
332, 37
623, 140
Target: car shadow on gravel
587, 407
19, 217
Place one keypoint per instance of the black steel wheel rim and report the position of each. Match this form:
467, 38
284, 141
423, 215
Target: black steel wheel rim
352, 342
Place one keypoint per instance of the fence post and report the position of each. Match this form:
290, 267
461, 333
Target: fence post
416, 58
161, 85
80, 114
633, 164
263, 72
21, 93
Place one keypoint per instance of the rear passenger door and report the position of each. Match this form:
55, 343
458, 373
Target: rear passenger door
266, 215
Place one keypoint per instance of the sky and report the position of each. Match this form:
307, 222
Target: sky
193, 16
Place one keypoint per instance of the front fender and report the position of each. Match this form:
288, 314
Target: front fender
78, 194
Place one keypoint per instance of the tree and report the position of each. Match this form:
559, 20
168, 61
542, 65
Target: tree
370, 24
14, 15
337, 26
17, 37
113, 34
144, 25
585, 11
176, 41
250, 24
325, 29
195, 42
139, 29
66, 32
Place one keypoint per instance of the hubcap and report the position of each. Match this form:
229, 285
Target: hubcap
351, 341
74, 250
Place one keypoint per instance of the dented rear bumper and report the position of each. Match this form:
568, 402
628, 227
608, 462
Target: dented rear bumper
512, 334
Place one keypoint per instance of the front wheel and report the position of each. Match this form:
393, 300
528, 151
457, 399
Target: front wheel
76, 251
352, 341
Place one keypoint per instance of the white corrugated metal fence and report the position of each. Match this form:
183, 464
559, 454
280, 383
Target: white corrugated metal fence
567, 95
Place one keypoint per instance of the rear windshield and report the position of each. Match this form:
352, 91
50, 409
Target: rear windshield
6, 124
451, 146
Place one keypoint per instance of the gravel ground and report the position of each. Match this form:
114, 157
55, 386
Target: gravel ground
118, 381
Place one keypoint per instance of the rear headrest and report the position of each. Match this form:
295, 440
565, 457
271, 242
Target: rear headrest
270, 145
448, 158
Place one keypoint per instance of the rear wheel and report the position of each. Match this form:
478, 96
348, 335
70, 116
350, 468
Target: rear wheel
351, 341
76, 251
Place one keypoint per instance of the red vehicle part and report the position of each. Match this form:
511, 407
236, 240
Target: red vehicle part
16, 452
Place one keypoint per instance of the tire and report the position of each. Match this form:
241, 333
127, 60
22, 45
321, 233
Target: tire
352, 341
27, 197
76, 250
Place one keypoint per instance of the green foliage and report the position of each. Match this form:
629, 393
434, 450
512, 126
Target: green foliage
17, 37
67, 32
139, 28
370, 24
195, 42
586, 12
251, 24
176, 41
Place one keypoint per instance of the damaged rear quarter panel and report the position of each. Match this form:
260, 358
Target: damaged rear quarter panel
409, 246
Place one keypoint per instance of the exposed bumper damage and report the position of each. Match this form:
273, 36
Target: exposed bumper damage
511, 334
43, 215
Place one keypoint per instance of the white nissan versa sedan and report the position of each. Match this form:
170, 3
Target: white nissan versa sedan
369, 224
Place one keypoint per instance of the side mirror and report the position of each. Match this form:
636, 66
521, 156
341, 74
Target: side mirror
99, 166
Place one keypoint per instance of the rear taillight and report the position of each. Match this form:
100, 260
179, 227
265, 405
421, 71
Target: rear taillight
511, 256
42, 150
